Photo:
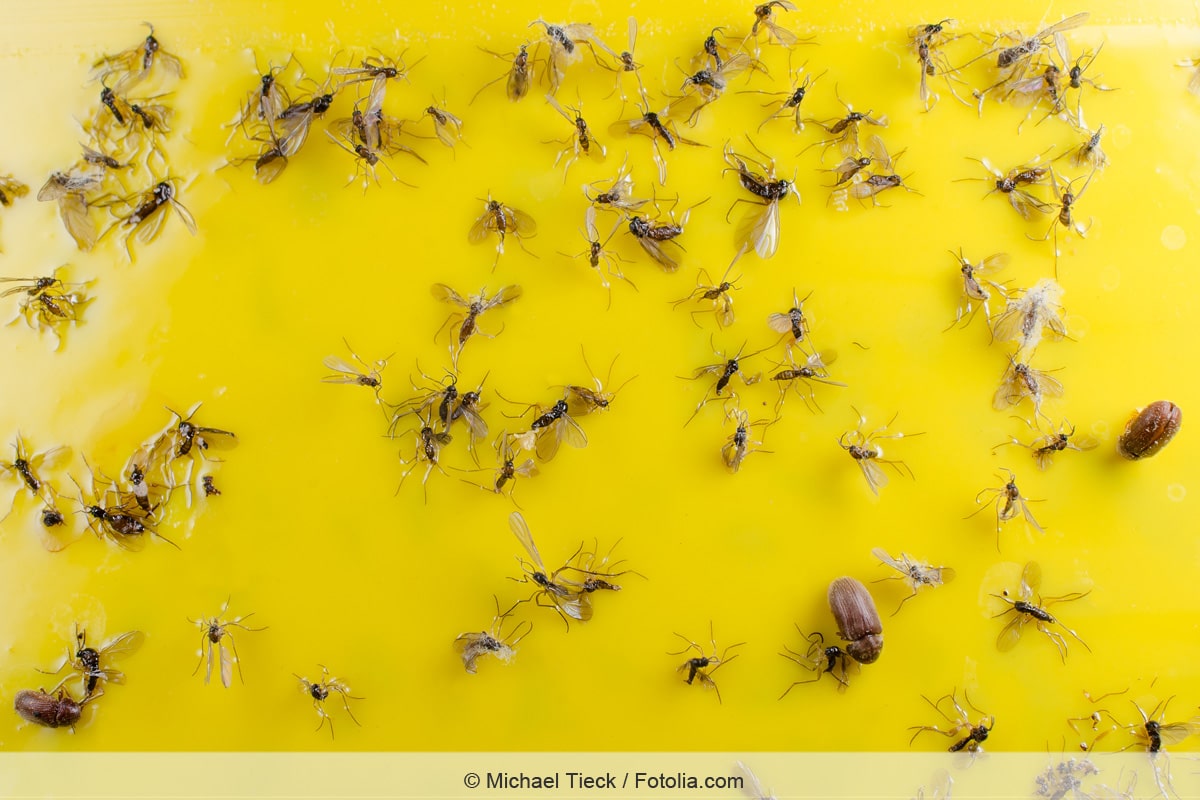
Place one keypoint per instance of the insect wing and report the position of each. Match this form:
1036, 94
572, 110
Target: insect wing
656, 252
1031, 580
1176, 732
521, 223
520, 529
123, 645
482, 227
227, 659
876, 477
762, 230
1011, 633
505, 295
215, 439
350, 374
447, 295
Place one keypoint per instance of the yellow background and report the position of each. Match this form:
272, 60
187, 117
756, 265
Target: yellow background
307, 533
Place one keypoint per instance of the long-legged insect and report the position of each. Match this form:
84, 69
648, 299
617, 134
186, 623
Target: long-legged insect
88, 661
519, 75
865, 451
296, 120
801, 377
135, 64
1057, 440
725, 370
1009, 503
584, 400
1014, 61
761, 230
915, 573
926, 42
792, 322
565, 596
1010, 185
619, 194
659, 127
792, 100
1021, 381
845, 129
1067, 198
320, 691
69, 189
626, 63
563, 41
429, 444
26, 467
477, 644
820, 660
509, 470
124, 523
653, 235
970, 735
465, 324
869, 185
597, 254
977, 287
363, 375
716, 296
501, 220
700, 668
1089, 153
1030, 607
216, 634
446, 126
739, 444
595, 574
147, 212
551, 427
581, 143
764, 19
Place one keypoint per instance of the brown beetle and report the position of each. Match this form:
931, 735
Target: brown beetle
857, 619
42, 708
1150, 431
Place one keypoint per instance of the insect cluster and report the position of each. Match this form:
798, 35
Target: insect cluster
471, 422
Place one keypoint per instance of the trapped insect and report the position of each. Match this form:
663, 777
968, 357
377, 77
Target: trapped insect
582, 143
653, 235
716, 296
977, 287
564, 41
1037, 313
69, 189
429, 444
465, 323
135, 64
363, 375
857, 619
792, 100
446, 126
739, 444
296, 120
659, 127
599, 257
89, 661
970, 735
915, 573
1067, 197
551, 427
865, 451
801, 377
868, 185
619, 194
764, 19
1089, 153
50, 711
519, 76
320, 691
501, 220
1030, 608
700, 668
1059, 440
565, 596
926, 42
1011, 183
1022, 381
595, 574
626, 62
477, 644
1150, 430
1009, 504
725, 370
760, 230
217, 634
584, 400
124, 523
26, 467
187, 438
845, 129
146, 213
793, 321
820, 660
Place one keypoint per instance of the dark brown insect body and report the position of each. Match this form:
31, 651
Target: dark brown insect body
858, 620
48, 710
1150, 431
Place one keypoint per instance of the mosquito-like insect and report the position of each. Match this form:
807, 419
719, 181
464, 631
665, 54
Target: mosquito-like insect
519, 75
584, 400
870, 185
801, 377
88, 661
626, 62
186, 438
595, 574
792, 100
582, 143
1045, 446
363, 375
820, 660
764, 19
725, 370
597, 254
69, 189
619, 194
134, 65
267, 100
926, 42
1030, 607
509, 470
715, 296
477, 644
551, 427
378, 71
759, 231
446, 126
465, 324
1010, 185
970, 735
147, 212
320, 691
125, 524
296, 120
792, 323
845, 129
1013, 61
26, 467
366, 159
700, 668
865, 451
739, 444
1009, 503
708, 85
429, 444
501, 220
1067, 198
216, 633
1089, 153
564, 596
564, 41
915, 573
977, 287
659, 127
1022, 381
653, 235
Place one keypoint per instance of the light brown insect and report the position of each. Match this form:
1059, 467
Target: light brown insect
1150, 430
858, 621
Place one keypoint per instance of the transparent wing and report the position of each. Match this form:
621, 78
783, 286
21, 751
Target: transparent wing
447, 295
1010, 634
227, 659
123, 645
188, 220
482, 227
516, 522
1031, 579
